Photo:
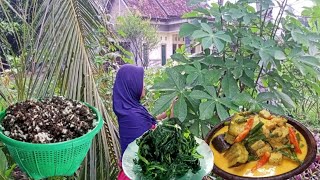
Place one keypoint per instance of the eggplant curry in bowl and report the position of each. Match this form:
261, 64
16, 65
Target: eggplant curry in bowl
260, 145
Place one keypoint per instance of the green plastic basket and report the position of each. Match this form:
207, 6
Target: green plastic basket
52, 159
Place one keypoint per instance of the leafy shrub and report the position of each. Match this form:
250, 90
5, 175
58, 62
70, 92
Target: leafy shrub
247, 61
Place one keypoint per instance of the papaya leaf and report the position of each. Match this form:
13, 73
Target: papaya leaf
273, 108
187, 29
177, 79
179, 58
207, 28
206, 109
197, 94
212, 76
229, 85
222, 113
206, 42
285, 99
195, 128
204, 129
180, 108
247, 81
279, 55
212, 91
222, 36
266, 96
163, 103
198, 34
242, 99
219, 45
310, 60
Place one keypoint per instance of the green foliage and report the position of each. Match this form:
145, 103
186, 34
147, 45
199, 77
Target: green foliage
108, 59
5, 27
247, 62
140, 33
104, 82
152, 76
9, 29
6, 163
168, 152
313, 15
304, 80
7, 88
57, 42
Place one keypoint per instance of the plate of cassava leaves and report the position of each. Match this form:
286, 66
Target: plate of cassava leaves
261, 146
168, 152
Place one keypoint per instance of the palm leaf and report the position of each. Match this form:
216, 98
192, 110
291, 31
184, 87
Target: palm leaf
57, 40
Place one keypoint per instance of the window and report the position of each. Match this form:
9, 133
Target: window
193, 50
163, 54
174, 48
165, 38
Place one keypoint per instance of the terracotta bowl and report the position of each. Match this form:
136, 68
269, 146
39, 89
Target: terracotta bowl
310, 157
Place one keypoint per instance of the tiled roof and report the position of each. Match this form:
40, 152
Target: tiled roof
174, 7
159, 9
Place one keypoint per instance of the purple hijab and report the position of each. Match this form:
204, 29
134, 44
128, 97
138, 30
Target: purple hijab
133, 117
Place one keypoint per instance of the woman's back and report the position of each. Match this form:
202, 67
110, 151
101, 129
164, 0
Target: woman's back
133, 118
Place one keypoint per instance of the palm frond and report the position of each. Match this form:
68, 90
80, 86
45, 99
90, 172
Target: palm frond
57, 58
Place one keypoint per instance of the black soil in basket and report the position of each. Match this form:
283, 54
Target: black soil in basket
48, 121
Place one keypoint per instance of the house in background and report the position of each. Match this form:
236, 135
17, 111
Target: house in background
166, 15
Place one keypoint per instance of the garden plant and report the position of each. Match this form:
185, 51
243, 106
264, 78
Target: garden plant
248, 62
50, 47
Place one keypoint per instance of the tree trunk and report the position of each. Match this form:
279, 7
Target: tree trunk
136, 57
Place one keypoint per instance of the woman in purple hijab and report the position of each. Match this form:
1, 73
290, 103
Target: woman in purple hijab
133, 117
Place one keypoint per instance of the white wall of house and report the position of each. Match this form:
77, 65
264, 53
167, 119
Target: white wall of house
156, 53
171, 40
168, 33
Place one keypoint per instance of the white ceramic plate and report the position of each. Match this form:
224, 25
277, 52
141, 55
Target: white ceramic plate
206, 162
